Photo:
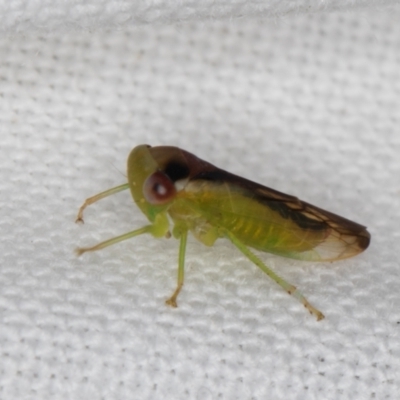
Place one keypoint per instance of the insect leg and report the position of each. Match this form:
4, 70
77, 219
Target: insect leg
109, 242
181, 269
98, 197
280, 281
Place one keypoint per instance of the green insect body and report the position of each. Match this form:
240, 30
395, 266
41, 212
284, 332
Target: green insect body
170, 184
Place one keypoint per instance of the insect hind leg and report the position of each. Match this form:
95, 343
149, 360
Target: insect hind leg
289, 288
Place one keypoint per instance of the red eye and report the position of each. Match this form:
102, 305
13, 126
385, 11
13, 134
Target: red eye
158, 189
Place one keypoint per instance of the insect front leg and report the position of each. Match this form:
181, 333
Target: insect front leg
182, 234
98, 197
292, 290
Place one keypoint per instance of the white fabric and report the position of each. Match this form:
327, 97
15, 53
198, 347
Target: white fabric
58, 15
308, 105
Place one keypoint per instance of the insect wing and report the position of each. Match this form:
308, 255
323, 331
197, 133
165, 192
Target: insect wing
272, 221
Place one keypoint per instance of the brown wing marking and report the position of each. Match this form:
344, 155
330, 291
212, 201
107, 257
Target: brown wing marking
344, 239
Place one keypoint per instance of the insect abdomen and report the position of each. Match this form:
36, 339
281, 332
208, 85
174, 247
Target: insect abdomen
256, 224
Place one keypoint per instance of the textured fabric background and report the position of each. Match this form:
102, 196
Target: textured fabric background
307, 104
66, 15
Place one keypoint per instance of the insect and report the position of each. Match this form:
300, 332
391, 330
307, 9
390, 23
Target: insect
174, 187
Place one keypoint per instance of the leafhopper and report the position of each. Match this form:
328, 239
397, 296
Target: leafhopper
174, 188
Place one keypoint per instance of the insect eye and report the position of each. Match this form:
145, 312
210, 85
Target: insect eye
158, 189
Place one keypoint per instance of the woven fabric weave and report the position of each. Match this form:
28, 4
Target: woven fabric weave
307, 104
